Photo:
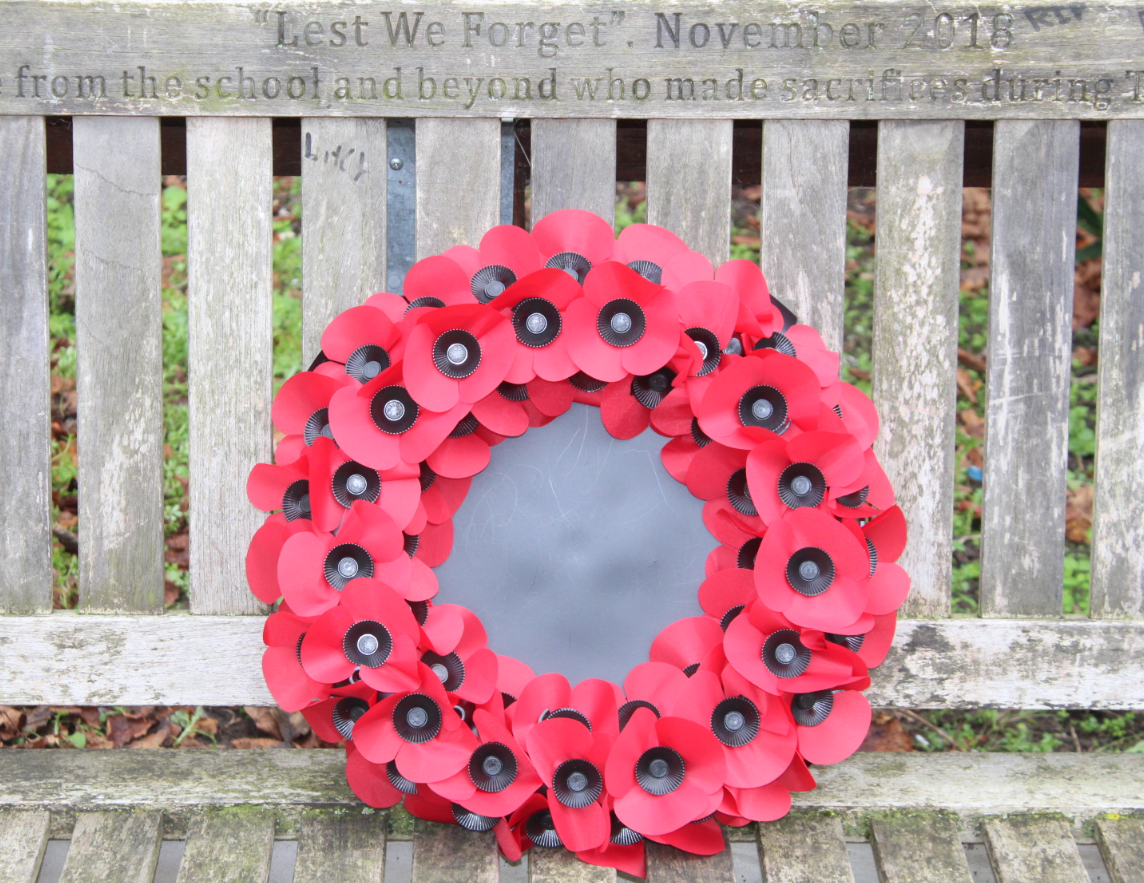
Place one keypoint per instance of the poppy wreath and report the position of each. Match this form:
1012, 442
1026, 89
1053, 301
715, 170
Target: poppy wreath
379, 443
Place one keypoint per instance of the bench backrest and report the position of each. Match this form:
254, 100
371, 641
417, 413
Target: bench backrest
124, 650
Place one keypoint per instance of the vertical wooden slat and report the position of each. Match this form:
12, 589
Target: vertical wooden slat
25, 397
1028, 849
119, 364
229, 307
689, 182
562, 866
1118, 505
113, 847
227, 847
345, 848
804, 849
1121, 842
803, 219
23, 838
574, 166
1035, 167
666, 864
343, 220
450, 854
458, 182
919, 849
916, 283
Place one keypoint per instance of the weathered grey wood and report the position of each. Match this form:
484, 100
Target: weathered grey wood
916, 284
458, 182
804, 848
67, 659
113, 847
562, 866
689, 182
450, 854
23, 838
25, 383
1035, 166
229, 846
1118, 504
666, 864
343, 847
119, 363
1121, 844
343, 220
803, 220
842, 60
230, 329
919, 849
1024, 848
574, 166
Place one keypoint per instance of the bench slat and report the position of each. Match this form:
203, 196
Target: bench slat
23, 838
25, 461
1024, 849
345, 848
803, 219
458, 182
1035, 168
119, 365
1121, 843
919, 849
804, 848
574, 166
666, 864
1118, 505
562, 866
228, 847
344, 176
230, 341
916, 285
450, 854
113, 847
689, 182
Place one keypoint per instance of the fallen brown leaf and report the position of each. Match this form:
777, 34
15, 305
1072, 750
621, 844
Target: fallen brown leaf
970, 361
256, 743
1087, 356
121, 729
965, 384
155, 740
96, 740
171, 592
11, 722
1088, 274
265, 720
887, 734
972, 423
1086, 306
1078, 514
974, 278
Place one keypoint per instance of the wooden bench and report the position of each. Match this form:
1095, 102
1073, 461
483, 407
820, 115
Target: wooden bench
120, 648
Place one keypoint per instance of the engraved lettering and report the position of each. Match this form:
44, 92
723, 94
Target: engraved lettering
282, 30
726, 36
312, 33
435, 33
1137, 78
678, 85
849, 35
88, 84
661, 25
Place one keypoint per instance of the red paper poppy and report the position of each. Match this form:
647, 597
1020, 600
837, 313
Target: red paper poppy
686, 643
626, 406
707, 312
858, 414
465, 451
664, 773
703, 837
800, 472
627, 857
573, 241
720, 473
264, 551
806, 344
868, 494
887, 533
652, 685
368, 780
657, 252
300, 412
333, 716
457, 354
461, 660
593, 702
570, 759
440, 496
506, 255
831, 724
313, 568
292, 688
726, 593
536, 306
529, 825
623, 324
765, 803
512, 677
364, 340
337, 481
282, 488
551, 398
757, 316
434, 282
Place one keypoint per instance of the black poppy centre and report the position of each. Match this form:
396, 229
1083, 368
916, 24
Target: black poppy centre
345, 562
393, 410
457, 354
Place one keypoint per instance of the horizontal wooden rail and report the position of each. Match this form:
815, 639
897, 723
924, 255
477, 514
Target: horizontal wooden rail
178, 659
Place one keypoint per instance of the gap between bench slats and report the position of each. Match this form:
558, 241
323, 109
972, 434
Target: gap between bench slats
230, 349
1028, 369
25, 384
1118, 505
119, 362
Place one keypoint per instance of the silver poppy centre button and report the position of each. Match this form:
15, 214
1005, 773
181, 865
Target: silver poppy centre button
457, 353
394, 410
734, 721
785, 653
801, 485
367, 645
621, 323
762, 409
536, 323
348, 568
356, 484
371, 369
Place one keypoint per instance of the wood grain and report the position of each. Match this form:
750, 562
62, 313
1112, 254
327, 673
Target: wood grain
916, 284
689, 182
458, 182
228, 846
1026, 848
119, 363
666, 864
562, 866
450, 854
1118, 504
23, 838
113, 847
804, 848
803, 220
25, 383
342, 847
1029, 366
1121, 843
344, 176
574, 166
229, 348
919, 849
